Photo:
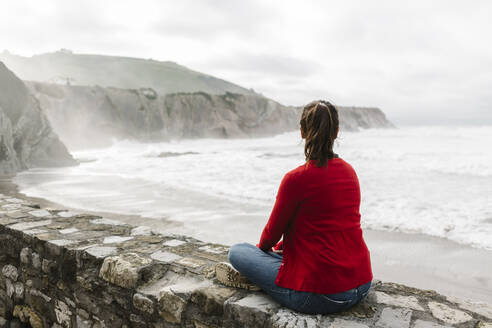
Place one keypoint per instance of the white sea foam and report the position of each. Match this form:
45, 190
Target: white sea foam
431, 180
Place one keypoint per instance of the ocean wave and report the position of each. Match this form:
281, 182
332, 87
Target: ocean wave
429, 180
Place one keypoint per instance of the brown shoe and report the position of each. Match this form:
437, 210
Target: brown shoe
229, 276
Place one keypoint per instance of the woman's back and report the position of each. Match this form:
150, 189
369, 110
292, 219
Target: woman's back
324, 250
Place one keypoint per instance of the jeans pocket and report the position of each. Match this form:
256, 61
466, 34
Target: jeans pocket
330, 299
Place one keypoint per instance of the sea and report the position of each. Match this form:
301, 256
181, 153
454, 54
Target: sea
430, 180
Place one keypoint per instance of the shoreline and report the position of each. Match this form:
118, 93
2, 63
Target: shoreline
416, 260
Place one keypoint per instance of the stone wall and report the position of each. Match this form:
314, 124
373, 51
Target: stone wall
63, 269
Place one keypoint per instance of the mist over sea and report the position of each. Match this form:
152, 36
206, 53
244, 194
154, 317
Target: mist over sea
431, 180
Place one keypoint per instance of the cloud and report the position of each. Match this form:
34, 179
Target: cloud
420, 61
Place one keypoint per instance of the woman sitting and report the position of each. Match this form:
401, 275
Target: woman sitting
322, 265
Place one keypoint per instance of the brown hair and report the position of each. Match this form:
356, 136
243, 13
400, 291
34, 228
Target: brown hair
319, 126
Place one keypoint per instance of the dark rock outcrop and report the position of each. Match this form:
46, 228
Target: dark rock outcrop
26, 137
144, 114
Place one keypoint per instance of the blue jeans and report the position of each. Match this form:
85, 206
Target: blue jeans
261, 269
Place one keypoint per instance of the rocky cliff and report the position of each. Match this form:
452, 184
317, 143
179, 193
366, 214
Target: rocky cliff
76, 112
26, 137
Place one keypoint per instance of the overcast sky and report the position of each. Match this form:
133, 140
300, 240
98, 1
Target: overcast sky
420, 61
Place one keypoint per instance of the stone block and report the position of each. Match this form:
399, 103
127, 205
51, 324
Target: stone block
250, 311
101, 251
399, 301
116, 239
68, 231
342, 323
63, 314
391, 318
10, 272
83, 323
428, 324
46, 266
22, 226
191, 262
174, 243
211, 299
36, 260
19, 291
143, 303
9, 287
448, 314
173, 299
165, 257
25, 255
171, 306
123, 270
40, 213
26, 315
481, 308
141, 231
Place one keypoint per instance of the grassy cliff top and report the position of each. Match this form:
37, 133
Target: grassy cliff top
113, 71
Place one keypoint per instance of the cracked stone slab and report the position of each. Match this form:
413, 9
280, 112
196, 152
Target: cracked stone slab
391, 318
15, 200
35, 231
68, 231
399, 301
257, 301
213, 249
16, 214
101, 251
116, 239
342, 323
428, 324
63, 242
174, 243
447, 314
191, 262
11, 206
482, 324
106, 221
21, 226
40, 213
481, 308
67, 214
6, 220
141, 231
165, 257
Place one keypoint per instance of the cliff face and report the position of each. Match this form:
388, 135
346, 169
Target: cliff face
92, 116
26, 137
355, 118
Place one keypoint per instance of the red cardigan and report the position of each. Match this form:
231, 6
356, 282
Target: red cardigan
317, 212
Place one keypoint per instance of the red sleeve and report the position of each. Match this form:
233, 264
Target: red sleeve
279, 246
283, 212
